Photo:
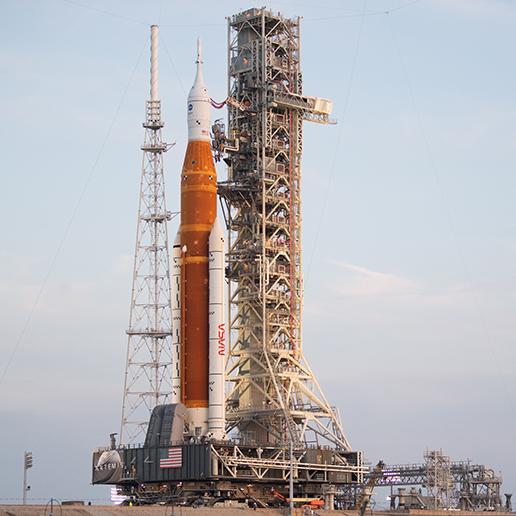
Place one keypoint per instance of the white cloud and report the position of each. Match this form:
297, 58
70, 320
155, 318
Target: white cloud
372, 283
387, 290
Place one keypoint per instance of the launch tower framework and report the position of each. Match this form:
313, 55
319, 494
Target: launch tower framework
449, 484
273, 394
148, 378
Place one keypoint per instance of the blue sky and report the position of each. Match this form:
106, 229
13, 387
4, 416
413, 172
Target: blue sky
409, 235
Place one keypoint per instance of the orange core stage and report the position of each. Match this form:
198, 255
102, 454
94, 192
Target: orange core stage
198, 212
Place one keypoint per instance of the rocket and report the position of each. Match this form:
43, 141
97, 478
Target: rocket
198, 279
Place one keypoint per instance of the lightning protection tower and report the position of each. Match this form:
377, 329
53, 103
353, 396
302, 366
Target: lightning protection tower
273, 394
148, 378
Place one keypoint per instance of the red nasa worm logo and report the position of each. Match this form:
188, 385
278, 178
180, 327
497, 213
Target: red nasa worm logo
222, 347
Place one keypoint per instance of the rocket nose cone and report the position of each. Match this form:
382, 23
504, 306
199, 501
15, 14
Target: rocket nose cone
199, 105
216, 234
177, 240
198, 90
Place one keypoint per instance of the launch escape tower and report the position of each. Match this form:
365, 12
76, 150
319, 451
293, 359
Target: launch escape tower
273, 394
148, 379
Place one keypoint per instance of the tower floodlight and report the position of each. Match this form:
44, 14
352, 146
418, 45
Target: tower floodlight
28, 460
27, 463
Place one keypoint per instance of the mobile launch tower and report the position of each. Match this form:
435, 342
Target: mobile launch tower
274, 396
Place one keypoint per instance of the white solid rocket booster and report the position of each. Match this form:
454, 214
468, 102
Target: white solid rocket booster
217, 400
176, 319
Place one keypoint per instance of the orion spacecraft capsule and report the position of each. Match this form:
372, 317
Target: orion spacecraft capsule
198, 279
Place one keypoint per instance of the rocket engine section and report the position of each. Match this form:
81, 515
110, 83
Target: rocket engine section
198, 279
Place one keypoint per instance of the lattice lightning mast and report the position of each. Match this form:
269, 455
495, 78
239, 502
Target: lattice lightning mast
148, 379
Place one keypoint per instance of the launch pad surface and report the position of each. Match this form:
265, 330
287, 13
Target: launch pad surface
109, 510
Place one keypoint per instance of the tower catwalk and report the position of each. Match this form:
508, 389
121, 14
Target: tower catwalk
148, 378
274, 396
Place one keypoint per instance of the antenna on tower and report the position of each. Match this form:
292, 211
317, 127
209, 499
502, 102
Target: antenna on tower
148, 377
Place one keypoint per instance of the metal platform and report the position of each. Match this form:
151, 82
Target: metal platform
186, 472
457, 485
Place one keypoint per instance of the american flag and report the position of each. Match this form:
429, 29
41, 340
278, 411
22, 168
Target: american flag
171, 458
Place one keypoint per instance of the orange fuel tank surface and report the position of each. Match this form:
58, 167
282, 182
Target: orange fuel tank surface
198, 212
